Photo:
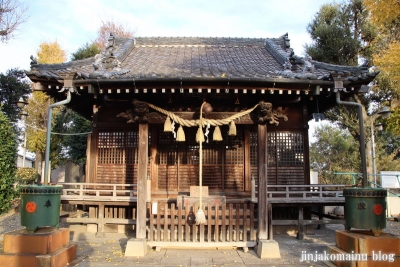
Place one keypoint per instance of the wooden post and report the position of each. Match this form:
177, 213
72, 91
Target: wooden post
247, 167
100, 220
88, 157
270, 228
153, 162
142, 180
91, 174
262, 182
300, 233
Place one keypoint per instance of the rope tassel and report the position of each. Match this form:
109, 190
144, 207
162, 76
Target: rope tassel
180, 135
199, 135
232, 128
200, 216
217, 136
167, 125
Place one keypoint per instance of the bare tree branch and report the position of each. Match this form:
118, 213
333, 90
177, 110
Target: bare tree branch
12, 15
110, 26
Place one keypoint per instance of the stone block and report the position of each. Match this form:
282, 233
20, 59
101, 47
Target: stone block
136, 248
91, 228
43, 241
13, 260
376, 262
346, 242
268, 249
59, 258
362, 243
377, 259
336, 251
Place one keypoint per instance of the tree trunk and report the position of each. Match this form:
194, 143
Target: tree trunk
367, 125
38, 165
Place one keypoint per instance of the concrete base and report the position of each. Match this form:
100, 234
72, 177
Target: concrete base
362, 242
43, 248
268, 249
136, 248
379, 251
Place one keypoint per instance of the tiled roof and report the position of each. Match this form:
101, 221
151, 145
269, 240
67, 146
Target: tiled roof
198, 57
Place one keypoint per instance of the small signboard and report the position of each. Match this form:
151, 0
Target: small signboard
390, 179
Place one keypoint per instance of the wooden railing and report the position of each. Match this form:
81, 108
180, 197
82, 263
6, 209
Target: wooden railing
300, 193
305, 193
99, 192
227, 224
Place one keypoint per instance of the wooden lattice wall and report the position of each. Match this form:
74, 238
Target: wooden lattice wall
285, 160
177, 163
117, 158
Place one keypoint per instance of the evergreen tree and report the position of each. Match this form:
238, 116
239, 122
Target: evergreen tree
327, 155
86, 51
340, 33
8, 158
74, 143
13, 86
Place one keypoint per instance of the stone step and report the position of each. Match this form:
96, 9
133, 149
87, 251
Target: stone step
43, 241
59, 258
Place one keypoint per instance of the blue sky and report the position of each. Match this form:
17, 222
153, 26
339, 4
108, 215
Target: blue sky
75, 22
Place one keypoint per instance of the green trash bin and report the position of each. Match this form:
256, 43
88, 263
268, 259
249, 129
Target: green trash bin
40, 206
365, 208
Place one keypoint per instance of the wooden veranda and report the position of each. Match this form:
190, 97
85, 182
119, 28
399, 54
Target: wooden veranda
234, 223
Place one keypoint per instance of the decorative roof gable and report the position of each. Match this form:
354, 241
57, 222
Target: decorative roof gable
149, 58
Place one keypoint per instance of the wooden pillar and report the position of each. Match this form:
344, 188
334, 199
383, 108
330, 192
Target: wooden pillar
153, 155
300, 232
270, 227
306, 145
142, 181
247, 167
262, 183
91, 174
89, 155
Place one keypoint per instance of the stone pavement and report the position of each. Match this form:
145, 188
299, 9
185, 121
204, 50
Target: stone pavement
109, 251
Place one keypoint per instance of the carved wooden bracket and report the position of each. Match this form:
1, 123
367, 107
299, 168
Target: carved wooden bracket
266, 113
139, 113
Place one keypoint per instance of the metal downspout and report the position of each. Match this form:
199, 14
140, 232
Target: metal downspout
49, 119
362, 136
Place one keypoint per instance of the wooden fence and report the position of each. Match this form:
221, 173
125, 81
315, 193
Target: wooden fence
227, 224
